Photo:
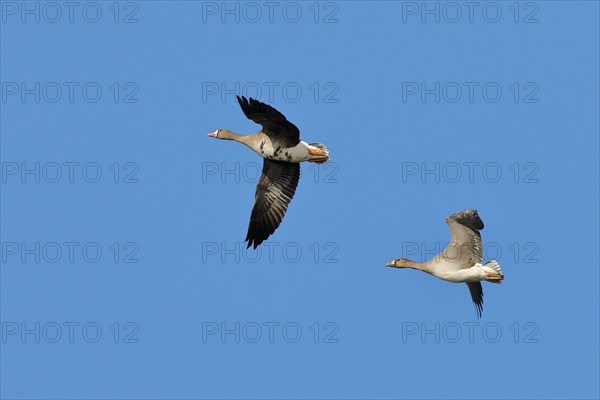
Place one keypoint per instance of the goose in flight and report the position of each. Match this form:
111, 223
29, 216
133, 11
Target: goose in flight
279, 144
460, 261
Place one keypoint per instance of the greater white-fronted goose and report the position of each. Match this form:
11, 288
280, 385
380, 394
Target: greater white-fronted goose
460, 261
279, 144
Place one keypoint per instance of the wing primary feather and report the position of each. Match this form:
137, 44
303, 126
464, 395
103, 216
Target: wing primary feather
274, 191
477, 296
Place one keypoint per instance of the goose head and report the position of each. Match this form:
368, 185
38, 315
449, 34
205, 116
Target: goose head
398, 263
406, 263
215, 134
223, 134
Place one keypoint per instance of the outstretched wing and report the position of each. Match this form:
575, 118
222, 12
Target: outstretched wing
274, 191
477, 296
465, 247
273, 122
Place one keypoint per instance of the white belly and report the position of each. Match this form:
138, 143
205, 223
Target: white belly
267, 150
462, 275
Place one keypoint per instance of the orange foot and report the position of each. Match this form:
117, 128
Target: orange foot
316, 152
494, 275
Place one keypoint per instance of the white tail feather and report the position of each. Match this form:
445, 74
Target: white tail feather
323, 148
491, 267
493, 264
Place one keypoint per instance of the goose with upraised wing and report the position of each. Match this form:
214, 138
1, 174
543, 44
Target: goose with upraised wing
279, 144
461, 260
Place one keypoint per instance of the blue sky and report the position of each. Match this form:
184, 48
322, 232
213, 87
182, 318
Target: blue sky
123, 270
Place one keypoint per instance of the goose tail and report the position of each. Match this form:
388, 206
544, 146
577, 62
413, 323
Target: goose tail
322, 155
493, 272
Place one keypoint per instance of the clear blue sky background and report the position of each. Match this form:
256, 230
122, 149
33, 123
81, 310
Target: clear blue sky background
361, 211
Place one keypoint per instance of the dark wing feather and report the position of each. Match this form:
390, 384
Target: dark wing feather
465, 247
273, 122
477, 296
274, 191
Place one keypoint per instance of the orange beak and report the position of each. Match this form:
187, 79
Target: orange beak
212, 134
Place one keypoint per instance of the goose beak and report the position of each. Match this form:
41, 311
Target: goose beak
390, 264
212, 134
